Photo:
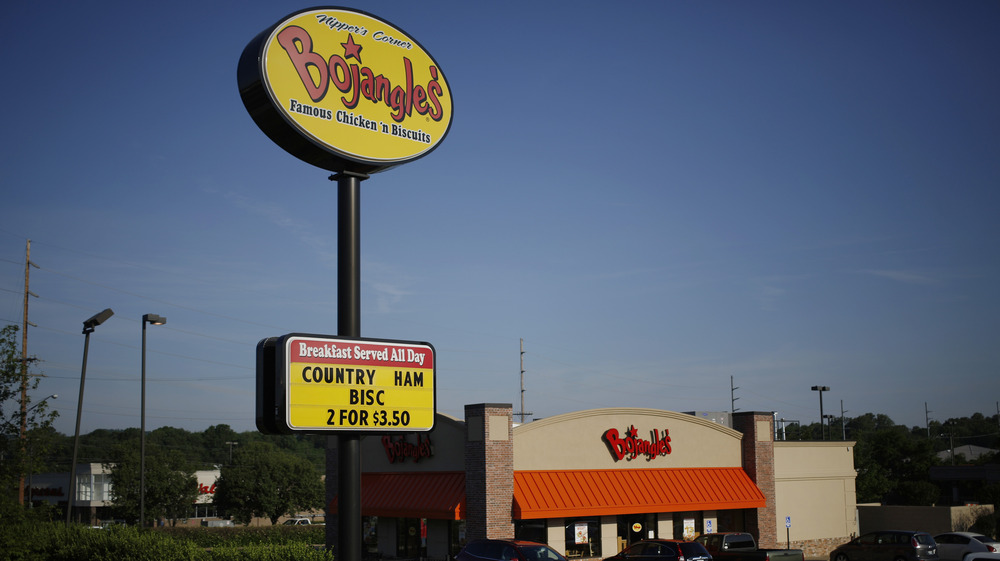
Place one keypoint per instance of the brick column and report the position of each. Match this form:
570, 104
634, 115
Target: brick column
489, 471
758, 463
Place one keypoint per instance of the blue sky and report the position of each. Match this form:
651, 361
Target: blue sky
655, 196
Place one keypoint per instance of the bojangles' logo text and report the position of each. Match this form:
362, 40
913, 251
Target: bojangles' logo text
631, 446
356, 81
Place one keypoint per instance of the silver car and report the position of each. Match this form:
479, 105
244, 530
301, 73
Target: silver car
888, 545
953, 546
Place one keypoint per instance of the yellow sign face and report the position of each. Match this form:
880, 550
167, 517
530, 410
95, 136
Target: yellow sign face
359, 385
356, 86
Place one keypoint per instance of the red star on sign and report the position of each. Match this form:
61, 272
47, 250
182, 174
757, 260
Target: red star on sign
632, 432
351, 49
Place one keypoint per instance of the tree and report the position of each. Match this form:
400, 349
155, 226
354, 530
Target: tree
16, 451
171, 486
264, 481
218, 442
893, 462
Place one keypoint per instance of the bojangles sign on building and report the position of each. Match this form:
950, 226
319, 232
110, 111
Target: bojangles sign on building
345, 90
630, 446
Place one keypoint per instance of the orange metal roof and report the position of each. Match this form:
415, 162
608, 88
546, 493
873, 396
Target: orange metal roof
436, 495
560, 494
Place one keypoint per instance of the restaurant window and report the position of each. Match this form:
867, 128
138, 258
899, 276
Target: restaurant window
531, 530
456, 536
732, 521
688, 525
84, 487
583, 537
204, 510
411, 535
633, 528
369, 532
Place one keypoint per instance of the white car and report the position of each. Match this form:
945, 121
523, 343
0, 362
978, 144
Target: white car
954, 546
982, 557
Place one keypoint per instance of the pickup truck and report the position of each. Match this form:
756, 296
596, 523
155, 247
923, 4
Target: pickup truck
740, 546
300, 522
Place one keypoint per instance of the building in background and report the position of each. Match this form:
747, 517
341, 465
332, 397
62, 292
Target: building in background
92, 504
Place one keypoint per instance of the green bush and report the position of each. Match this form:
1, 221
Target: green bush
243, 536
290, 552
45, 541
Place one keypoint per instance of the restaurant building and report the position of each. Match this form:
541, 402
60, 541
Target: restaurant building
92, 502
590, 482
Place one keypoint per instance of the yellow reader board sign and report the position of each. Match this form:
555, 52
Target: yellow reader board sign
358, 384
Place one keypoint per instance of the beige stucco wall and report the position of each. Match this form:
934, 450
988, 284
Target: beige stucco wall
814, 485
576, 441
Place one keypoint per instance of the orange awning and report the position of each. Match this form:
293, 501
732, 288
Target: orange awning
561, 494
436, 495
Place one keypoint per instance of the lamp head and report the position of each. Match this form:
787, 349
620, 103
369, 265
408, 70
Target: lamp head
97, 319
154, 319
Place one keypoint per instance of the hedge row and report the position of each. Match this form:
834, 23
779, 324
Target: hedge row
239, 536
34, 541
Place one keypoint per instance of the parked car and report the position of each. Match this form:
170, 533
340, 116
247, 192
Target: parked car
507, 550
953, 546
888, 545
982, 557
740, 546
663, 550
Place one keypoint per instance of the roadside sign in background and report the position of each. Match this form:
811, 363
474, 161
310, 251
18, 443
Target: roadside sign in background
321, 384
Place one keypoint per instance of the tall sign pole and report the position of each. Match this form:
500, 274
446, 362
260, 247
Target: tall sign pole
351, 93
348, 325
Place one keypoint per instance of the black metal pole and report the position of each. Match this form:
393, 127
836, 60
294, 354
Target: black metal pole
349, 536
76, 438
142, 434
822, 419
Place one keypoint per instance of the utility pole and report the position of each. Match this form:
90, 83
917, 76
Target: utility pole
927, 419
843, 421
732, 396
522, 413
822, 418
24, 370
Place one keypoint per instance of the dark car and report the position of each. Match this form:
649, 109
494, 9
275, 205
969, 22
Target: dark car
888, 545
663, 550
741, 546
953, 546
507, 550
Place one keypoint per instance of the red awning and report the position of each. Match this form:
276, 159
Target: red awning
436, 495
562, 494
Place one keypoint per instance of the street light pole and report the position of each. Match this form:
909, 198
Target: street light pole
822, 423
231, 444
155, 320
88, 328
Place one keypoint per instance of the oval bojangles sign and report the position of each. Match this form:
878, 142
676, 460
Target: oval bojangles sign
345, 90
